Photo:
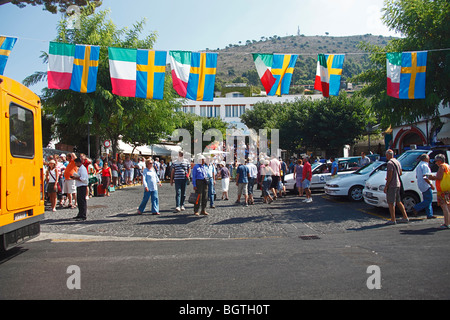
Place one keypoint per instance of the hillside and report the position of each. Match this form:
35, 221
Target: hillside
236, 60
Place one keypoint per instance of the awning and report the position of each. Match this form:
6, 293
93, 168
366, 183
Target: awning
444, 133
153, 150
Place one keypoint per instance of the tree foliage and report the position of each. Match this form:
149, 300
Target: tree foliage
138, 121
326, 124
424, 25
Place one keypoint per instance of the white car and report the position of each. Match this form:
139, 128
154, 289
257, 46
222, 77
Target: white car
352, 185
373, 192
321, 173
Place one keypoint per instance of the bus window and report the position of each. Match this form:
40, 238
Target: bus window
21, 128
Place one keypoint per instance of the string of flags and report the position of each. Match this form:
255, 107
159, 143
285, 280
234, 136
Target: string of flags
141, 73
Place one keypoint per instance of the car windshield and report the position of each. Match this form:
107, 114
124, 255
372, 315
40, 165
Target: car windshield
367, 169
315, 165
409, 160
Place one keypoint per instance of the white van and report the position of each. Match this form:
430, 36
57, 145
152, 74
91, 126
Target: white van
374, 189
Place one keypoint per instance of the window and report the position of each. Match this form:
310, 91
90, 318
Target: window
203, 111
227, 111
189, 109
21, 131
213, 111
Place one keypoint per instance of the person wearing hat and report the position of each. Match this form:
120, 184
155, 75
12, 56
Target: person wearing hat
180, 173
200, 183
52, 177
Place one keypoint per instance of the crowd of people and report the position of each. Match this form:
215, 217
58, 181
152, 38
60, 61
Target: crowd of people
71, 180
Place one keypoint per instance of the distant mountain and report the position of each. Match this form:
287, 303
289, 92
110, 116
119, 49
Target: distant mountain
236, 61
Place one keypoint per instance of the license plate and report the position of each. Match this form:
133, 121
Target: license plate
20, 215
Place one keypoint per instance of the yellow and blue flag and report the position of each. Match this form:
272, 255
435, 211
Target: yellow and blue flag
282, 69
412, 75
202, 76
151, 72
85, 68
6, 45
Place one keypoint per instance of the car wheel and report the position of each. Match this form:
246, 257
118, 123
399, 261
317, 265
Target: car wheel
409, 201
356, 193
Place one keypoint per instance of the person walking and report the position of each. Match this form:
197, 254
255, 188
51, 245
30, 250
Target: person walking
276, 168
82, 180
266, 178
224, 174
443, 188
200, 184
425, 186
150, 180
393, 185
70, 185
211, 172
306, 179
106, 177
180, 172
253, 175
52, 178
298, 174
242, 175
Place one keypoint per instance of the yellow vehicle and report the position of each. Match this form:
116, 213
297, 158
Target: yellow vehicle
21, 164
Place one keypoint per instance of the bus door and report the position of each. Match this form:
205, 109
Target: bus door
22, 174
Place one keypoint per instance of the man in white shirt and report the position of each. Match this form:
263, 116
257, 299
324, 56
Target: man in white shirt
425, 186
253, 174
82, 181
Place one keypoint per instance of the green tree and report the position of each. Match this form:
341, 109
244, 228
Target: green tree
187, 121
326, 124
424, 25
140, 121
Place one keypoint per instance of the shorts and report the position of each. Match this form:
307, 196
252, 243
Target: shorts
70, 186
242, 187
306, 184
393, 195
275, 180
129, 173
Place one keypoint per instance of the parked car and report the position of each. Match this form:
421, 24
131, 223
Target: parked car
352, 185
321, 173
373, 192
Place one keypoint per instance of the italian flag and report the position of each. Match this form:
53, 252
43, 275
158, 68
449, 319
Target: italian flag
60, 65
322, 82
393, 70
122, 68
263, 63
180, 63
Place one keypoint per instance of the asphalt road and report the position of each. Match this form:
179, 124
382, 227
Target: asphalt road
286, 250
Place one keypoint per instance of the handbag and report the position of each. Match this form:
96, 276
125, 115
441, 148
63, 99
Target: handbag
57, 182
194, 197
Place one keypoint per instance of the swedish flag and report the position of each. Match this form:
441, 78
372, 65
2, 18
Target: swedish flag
6, 45
85, 68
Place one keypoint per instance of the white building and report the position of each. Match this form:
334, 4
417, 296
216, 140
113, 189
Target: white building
422, 132
230, 108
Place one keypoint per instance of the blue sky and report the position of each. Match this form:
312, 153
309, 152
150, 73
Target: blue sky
195, 24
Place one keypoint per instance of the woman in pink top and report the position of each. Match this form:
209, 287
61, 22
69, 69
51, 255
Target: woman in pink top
306, 179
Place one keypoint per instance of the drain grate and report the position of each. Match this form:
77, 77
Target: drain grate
310, 237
